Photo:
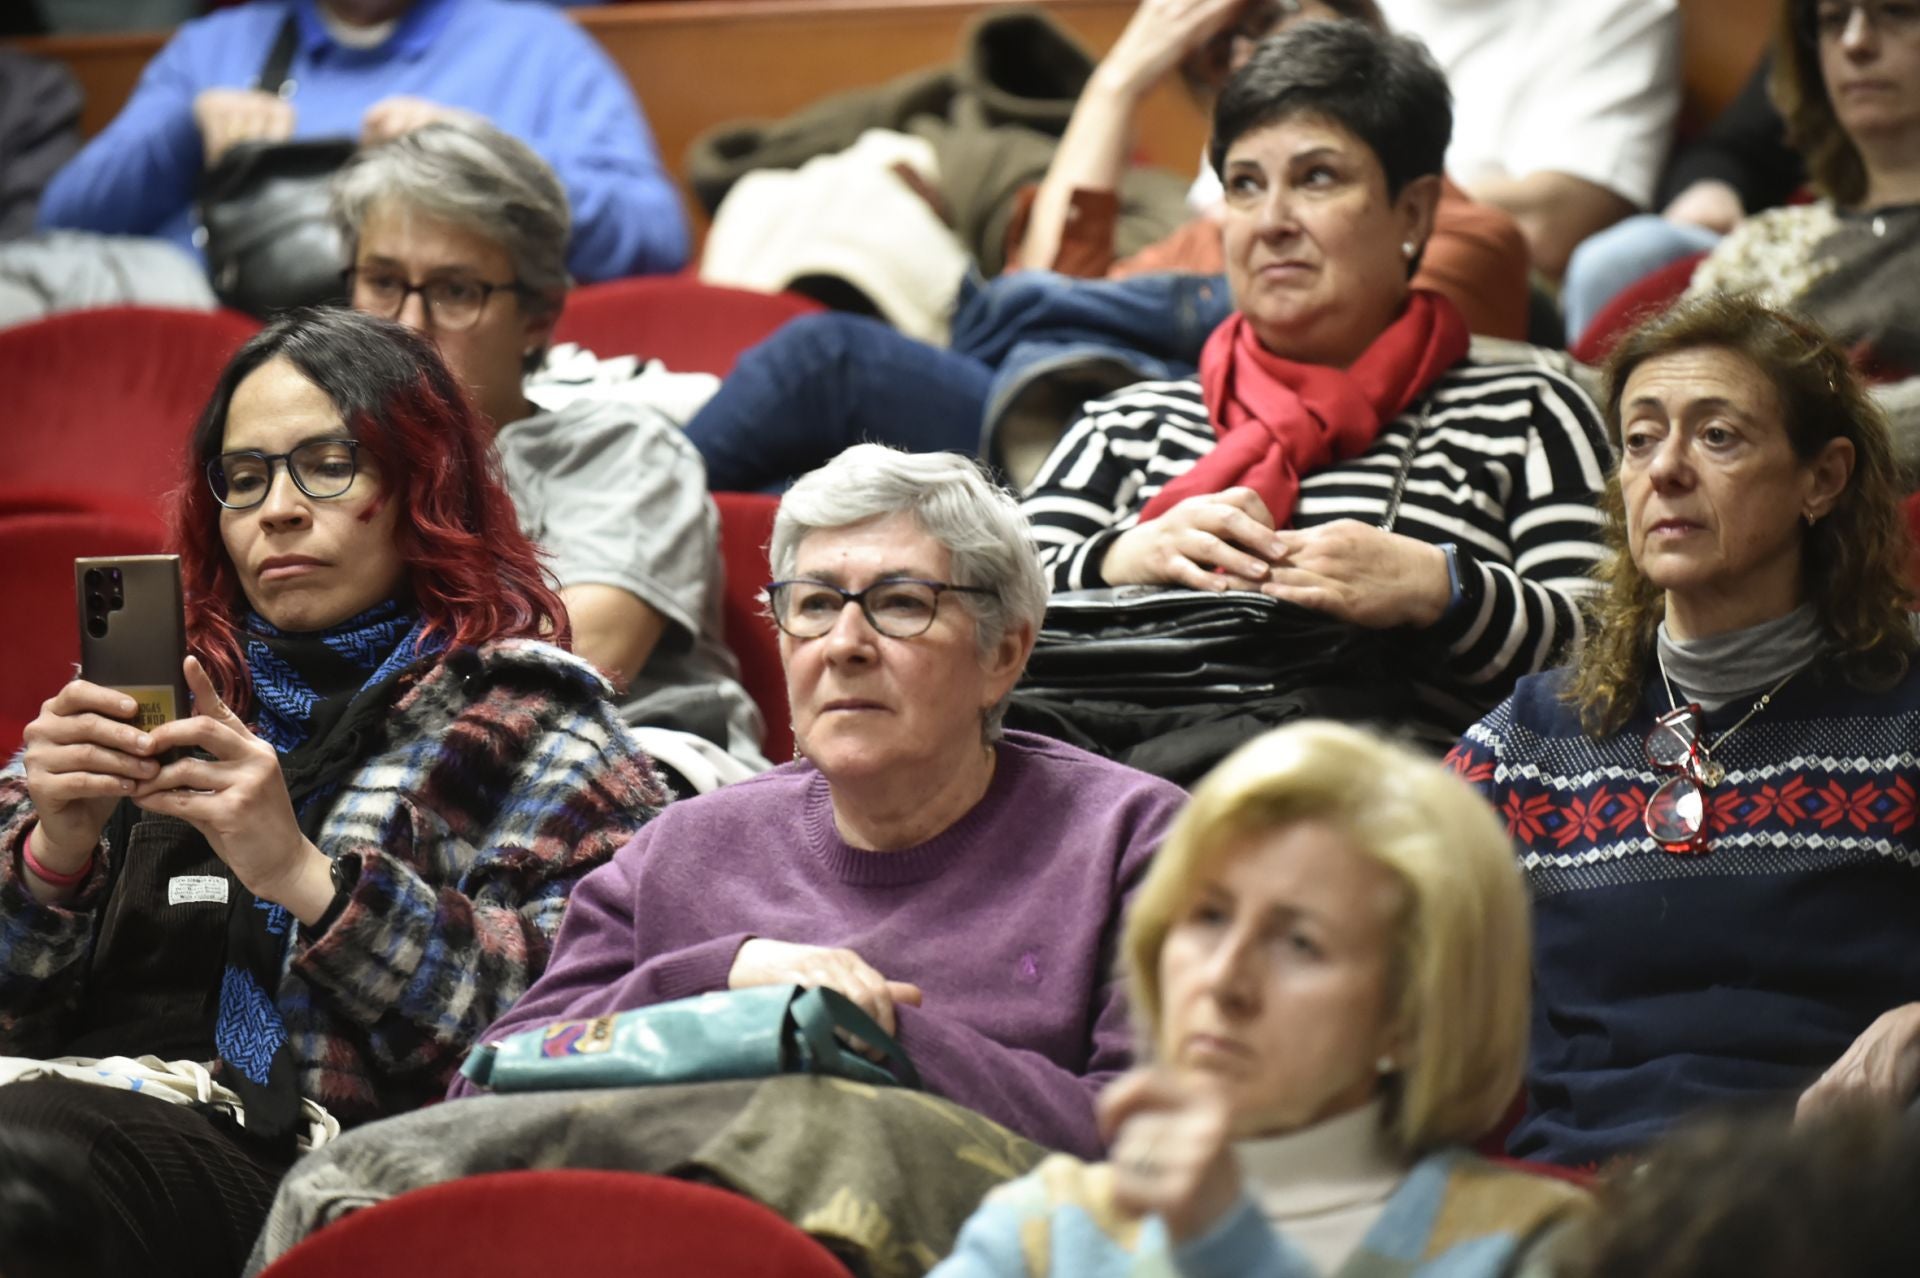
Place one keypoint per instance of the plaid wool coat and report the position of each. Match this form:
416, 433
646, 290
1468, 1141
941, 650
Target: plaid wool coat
503, 776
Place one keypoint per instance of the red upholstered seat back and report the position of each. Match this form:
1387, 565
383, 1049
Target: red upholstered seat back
688, 326
40, 643
746, 526
528, 1224
1646, 296
102, 401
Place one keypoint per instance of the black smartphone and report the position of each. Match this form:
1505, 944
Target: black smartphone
133, 632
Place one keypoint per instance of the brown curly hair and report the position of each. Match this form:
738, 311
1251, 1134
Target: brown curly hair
1799, 90
1855, 561
1754, 1196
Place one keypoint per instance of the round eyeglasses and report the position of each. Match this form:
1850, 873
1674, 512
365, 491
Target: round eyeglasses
453, 302
321, 468
899, 607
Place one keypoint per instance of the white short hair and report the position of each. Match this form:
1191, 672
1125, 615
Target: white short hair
951, 498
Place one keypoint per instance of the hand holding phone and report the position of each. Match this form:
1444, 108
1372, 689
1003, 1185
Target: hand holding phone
82, 758
227, 784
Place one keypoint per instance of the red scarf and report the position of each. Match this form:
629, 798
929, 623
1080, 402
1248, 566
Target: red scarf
1276, 420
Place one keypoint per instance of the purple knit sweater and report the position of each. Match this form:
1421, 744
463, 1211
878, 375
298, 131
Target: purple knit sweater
1008, 921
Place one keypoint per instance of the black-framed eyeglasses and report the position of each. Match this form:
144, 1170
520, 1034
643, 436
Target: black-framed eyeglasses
453, 302
321, 468
897, 607
1829, 19
1676, 815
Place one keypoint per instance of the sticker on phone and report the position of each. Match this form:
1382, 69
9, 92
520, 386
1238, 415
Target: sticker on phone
157, 705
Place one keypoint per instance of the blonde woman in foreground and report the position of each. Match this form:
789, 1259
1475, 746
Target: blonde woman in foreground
1328, 960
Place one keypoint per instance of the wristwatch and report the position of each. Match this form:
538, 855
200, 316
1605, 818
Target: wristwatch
1463, 588
345, 872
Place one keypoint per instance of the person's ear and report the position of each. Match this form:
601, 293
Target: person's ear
536, 328
1008, 660
1419, 200
1828, 473
1395, 1047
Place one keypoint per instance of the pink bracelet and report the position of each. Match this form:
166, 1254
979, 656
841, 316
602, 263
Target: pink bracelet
49, 877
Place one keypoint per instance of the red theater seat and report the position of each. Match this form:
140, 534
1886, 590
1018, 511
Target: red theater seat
1647, 296
102, 401
40, 643
746, 526
524, 1223
688, 326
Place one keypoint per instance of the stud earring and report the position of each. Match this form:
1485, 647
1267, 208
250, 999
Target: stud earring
1810, 517
1408, 249
1385, 1065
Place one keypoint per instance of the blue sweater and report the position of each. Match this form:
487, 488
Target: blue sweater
1663, 983
525, 67
1454, 1216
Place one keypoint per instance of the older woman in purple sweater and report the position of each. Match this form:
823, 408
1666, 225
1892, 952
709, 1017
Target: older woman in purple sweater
961, 884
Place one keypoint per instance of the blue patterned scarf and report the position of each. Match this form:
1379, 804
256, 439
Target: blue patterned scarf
319, 697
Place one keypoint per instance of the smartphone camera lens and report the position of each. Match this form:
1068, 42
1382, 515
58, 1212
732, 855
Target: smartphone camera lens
97, 626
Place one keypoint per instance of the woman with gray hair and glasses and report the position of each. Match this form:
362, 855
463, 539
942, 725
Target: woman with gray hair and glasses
962, 884
459, 231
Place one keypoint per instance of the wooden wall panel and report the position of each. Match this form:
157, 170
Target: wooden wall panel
697, 63
1723, 40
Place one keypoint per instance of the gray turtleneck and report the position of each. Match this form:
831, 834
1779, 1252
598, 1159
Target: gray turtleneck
1741, 663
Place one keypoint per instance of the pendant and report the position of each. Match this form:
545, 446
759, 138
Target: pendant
1711, 773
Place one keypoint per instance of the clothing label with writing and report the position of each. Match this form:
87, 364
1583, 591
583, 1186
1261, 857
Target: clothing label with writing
188, 889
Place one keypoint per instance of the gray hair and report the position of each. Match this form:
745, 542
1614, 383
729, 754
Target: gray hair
951, 498
465, 171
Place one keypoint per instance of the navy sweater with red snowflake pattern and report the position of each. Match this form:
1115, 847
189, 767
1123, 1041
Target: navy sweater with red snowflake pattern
1666, 984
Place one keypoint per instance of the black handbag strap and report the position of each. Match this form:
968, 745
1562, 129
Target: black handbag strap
273, 75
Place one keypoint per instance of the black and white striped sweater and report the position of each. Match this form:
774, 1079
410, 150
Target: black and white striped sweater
1508, 465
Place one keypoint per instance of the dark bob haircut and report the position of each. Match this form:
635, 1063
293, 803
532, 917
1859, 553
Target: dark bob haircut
1383, 88
472, 573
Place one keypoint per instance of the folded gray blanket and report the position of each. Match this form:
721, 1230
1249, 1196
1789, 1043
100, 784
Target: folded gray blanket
884, 1178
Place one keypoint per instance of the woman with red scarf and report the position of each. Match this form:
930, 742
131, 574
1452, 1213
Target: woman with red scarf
1341, 448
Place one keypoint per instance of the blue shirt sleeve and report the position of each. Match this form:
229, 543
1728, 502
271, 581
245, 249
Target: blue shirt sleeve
141, 170
627, 216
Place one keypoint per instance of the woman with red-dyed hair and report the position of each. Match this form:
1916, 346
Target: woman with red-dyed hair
348, 862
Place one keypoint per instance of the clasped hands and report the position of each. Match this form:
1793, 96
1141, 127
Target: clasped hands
762, 961
1227, 541
82, 758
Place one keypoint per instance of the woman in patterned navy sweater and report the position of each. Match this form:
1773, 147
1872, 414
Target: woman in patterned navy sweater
360, 856
1716, 805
